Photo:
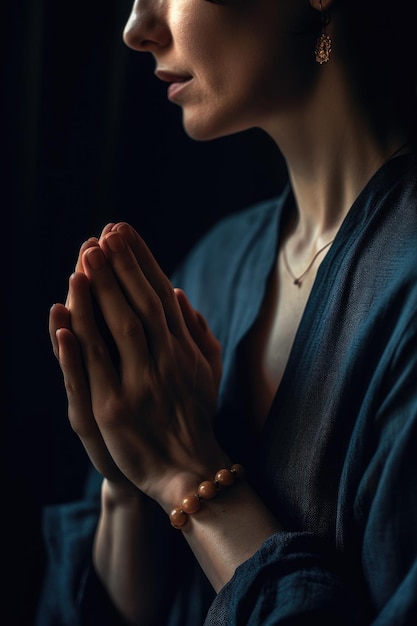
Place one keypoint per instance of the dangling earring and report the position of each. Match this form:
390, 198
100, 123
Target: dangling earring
323, 43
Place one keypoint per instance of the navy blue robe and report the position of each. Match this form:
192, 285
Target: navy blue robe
337, 457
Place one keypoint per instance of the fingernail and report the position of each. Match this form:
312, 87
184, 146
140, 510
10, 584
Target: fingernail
115, 242
126, 232
95, 258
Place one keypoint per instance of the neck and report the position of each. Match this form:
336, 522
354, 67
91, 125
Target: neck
325, 192
331, 153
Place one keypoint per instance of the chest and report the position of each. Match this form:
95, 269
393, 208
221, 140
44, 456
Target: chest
265, 350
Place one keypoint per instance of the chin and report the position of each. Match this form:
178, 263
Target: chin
202, 132
205, 128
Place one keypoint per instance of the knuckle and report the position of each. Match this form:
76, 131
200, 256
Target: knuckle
110, 413
166, 292
152, 305
95, 353
131, 328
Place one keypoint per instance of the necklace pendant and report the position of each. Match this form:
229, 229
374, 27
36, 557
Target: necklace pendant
298, 281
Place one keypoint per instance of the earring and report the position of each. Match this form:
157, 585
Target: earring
323, 43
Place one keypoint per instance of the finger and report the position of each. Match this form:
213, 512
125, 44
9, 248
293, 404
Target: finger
76, 384
125, 324
79, 405
99, 365
106, 230
59, 317
201, 334
92, 241
155, 276
138, 293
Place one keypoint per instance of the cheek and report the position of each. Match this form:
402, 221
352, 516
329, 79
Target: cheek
196, 27
281, 71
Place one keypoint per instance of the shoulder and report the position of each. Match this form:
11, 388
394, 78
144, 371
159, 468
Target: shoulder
233, 255
230, 239
238, 229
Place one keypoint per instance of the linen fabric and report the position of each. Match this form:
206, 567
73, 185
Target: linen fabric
337, 457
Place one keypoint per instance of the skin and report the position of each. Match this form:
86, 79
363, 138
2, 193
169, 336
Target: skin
144, 442
145, 417
193, 39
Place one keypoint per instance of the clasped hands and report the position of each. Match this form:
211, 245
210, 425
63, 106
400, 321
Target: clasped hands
141, 369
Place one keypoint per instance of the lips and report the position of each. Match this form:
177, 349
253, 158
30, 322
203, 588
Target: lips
171, 77
177, 81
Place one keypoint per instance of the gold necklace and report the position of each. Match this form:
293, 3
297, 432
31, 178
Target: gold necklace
298, 280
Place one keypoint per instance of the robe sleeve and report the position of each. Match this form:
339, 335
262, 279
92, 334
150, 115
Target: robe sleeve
294, 579
291, 580
72, 594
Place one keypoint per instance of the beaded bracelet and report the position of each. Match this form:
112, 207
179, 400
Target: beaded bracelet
207, 490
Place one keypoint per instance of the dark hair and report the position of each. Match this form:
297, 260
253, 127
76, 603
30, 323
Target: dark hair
381, 38
380, 41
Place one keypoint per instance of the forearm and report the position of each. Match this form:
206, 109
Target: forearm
123, 554
228, 530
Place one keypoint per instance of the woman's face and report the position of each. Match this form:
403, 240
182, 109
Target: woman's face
229, 67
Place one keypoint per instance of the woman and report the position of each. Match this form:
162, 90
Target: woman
288, 344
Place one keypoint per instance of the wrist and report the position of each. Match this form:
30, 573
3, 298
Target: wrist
116, 494
205, 491
185, 481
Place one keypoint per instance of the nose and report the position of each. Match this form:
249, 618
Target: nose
146, 29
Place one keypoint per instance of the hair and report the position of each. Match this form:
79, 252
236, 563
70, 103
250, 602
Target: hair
381, 39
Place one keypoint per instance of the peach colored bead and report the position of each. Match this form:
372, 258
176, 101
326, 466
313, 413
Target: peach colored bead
207, 490
225, 478
178, 518
190, 504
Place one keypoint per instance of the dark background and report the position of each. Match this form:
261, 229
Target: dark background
89, 137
